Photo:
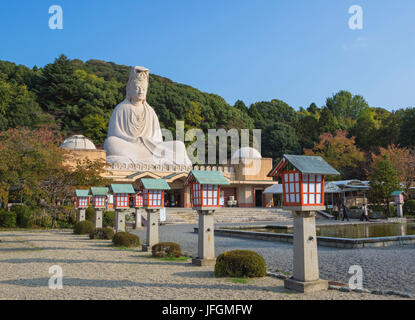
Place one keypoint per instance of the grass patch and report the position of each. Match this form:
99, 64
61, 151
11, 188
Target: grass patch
124, 248
171, 258
238, 280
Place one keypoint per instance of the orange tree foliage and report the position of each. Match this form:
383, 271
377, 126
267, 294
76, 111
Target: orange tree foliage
340, 152
403, 160
32, 168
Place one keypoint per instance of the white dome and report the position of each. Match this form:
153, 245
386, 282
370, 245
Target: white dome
78, 142
246, 153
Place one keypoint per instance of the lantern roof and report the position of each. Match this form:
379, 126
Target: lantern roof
206, 177
154, 184
122, 188
397, 193
82, 193
304, 164
99, 191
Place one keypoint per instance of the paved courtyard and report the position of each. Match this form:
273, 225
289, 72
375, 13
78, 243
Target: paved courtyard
386, 268
95, 270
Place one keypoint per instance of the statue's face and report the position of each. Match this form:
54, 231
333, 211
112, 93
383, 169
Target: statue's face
138, 86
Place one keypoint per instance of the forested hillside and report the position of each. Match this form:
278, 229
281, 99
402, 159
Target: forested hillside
79, 97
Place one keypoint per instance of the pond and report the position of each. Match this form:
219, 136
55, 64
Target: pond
351, 231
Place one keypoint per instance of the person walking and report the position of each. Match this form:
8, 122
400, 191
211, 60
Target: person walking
365, 213
336, 211
344, 212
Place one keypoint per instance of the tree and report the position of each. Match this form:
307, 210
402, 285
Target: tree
95, 127
340, 152
383, 181
402, 160
279, 139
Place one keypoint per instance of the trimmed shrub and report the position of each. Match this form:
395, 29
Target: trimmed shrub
125, 239
90, 214
240, 263
7, 219
84, 227
108, 218
166, 249
102, 233
409, 207
24, 216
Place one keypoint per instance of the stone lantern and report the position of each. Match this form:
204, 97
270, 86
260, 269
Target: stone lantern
99, 202
121, 193
138, 203
153, 200
205, 194
303, 193
399, 201
82, 202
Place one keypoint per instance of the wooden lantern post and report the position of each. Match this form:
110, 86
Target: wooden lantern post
121, 193
153, 200
82, 202
205, 198
99, 202
303, 193
399, 201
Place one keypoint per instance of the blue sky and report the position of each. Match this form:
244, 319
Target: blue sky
299, 51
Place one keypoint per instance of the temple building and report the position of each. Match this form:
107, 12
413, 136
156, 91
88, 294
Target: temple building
246, 172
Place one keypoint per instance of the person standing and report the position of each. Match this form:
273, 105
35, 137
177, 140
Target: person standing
344, 212
336, 211
365, 213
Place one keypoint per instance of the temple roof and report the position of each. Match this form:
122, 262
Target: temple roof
82, 193
99, 191
154, 184
122, 188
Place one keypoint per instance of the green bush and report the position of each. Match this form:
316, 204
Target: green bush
90, 214
166, 249
409, 207
240, 263
125, 239
108, 218
102, 233
84, 227
24, 216
7, 219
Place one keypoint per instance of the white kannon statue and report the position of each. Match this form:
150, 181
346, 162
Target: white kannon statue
134, 134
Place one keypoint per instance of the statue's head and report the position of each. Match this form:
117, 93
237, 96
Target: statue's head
138, 84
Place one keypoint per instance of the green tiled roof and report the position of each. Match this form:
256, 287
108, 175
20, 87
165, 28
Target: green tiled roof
311, 164
208, 177
122, 188
99, 191
397, 193
82, 193
155, 184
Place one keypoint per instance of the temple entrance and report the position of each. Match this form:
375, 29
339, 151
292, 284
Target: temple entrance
173, 198
258, 198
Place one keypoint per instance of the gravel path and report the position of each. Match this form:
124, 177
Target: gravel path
385, 268
96, 270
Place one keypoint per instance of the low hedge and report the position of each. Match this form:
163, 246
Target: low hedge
409, 207
90, 214
125, 239
240, 263
102, 233
84, 227
166, 249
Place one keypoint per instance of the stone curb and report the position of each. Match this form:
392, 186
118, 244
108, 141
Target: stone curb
282, 276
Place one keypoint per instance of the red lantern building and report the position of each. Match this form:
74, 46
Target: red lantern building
303, 181
205, 188
122, 194
398, 197
82, 198
138, 200
99, 197
153, 192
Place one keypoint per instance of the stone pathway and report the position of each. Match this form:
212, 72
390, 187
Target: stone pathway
95, 270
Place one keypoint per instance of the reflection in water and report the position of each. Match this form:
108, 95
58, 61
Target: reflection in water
367, 230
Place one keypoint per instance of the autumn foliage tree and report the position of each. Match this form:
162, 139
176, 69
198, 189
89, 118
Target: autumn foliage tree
403, 161
341, 152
